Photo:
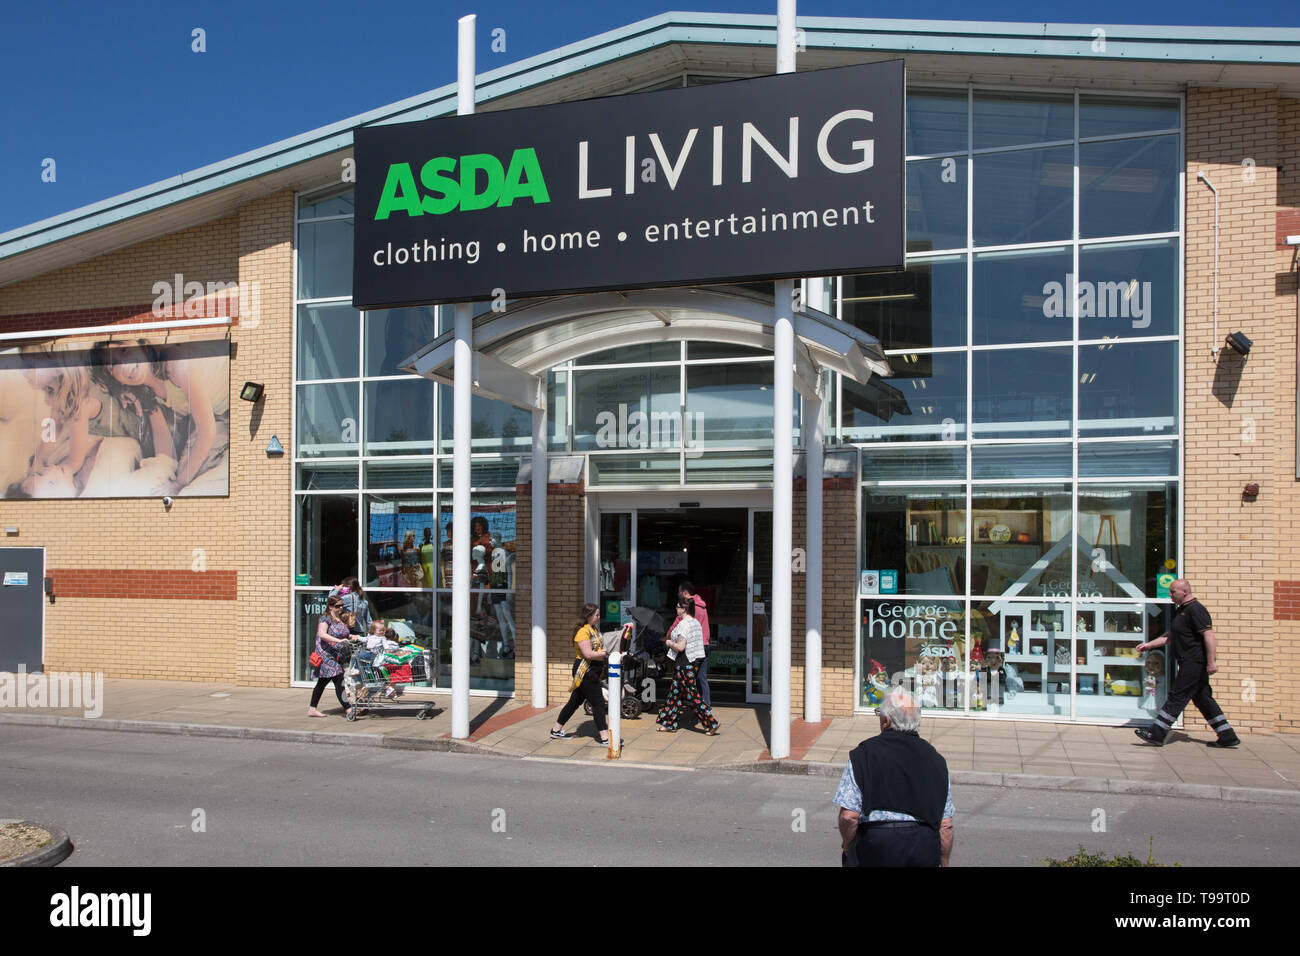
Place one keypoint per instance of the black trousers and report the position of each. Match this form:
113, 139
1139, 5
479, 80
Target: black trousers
338, 690
588, 690
1192, 684
903, 844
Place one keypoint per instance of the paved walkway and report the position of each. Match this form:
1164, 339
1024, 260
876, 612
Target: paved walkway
1266, 768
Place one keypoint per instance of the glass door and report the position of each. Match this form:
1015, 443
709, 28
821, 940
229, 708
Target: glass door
617, 568
759, 671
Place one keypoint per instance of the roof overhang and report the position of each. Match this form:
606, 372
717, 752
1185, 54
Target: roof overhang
513, 350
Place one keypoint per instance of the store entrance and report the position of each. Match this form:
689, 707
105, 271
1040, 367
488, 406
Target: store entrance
646, 553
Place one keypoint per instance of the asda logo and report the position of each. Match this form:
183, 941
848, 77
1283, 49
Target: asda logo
476, 181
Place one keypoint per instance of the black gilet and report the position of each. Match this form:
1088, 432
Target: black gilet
899, 771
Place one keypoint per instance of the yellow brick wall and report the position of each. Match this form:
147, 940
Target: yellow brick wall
247, 532
1235, 549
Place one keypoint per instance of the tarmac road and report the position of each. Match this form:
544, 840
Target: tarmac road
136, 799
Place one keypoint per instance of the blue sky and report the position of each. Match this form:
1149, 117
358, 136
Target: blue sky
115, 95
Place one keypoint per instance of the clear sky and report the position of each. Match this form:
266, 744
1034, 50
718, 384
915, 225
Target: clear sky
113, 92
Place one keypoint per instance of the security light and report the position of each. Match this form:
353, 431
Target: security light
1238, 342
251, 392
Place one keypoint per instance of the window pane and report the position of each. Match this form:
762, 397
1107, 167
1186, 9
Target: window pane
1013, 529
399, 417
936, 204
1028, 647
394, 335
309, 607
337, 202
1021, 461
1128, 289
1024, 197
635, 469
921, 307
925, 400
1106, 459
919, 534
1133, 530
919, 644
730, 405
717, 350
1112, 678
491, 644
1009, 119
491, 561
327, 420
327, 341
1128, 186
492, 473
1021, 296
1128, 389
494, 425
400, 545
627, 408
1022, 393
327, 539
892, 464
327, 477
409, 611
325, 259
399, 474
936, 122
557, 410
719, 468
634, 354
1109, 115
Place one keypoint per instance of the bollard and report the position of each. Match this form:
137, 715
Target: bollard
615, 704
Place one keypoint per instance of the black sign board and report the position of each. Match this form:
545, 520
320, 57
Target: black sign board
776, 177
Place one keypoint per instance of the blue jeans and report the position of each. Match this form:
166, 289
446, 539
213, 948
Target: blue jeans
702, 674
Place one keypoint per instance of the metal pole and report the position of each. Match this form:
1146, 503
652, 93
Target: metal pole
461, 397
615, 705
783, 456
538, 583
814, 437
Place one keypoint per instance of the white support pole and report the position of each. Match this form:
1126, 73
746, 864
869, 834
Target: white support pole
461, 397
538, 582
783, 457
615, 705
814, 439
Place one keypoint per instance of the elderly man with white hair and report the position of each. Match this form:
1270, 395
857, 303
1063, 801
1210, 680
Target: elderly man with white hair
895, 796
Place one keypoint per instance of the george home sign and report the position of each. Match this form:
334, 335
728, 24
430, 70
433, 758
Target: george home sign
775, 177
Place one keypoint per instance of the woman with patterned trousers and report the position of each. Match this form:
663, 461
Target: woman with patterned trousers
686, 646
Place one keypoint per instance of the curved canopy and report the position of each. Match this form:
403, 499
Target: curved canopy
514, 349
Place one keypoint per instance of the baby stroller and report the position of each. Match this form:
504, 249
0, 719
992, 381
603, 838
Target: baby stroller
645, 662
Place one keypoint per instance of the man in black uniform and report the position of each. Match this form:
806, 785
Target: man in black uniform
1195, 649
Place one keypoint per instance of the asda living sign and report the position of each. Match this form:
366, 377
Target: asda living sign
774, 177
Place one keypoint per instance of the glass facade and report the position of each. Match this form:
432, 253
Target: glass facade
1020, 470
373, 468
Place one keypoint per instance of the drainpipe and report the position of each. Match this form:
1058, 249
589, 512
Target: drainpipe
1214, 348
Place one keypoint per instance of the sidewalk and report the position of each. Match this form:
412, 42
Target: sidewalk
1264, 769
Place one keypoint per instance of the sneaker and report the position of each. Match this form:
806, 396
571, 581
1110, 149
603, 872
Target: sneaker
561, 735
605, 743
1223, 743
1149, 735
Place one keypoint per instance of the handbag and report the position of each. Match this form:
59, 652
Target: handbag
315, 660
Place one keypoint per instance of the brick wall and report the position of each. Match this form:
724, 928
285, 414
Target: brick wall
199, 592
565, 573
1240, 415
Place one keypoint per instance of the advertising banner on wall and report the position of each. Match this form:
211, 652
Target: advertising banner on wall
133, 418
774, 177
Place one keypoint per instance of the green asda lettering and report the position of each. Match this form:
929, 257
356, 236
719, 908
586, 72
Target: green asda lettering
447, 188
